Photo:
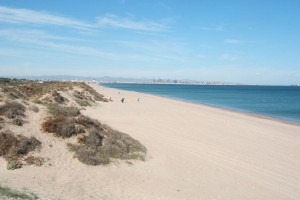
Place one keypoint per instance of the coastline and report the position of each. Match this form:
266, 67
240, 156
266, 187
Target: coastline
219, 107
207, 152
193, 152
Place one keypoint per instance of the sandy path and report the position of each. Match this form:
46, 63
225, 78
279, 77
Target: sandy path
195, 152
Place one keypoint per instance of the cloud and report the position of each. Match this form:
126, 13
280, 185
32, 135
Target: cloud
114, 21
14, 15
228, 57
73, 49
234, 41
14, 34
41, 39
26, 16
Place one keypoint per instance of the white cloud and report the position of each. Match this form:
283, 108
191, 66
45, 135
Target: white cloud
37, 38
14, 34
15, 15
228, 57
234, 41
26, 16
127, 23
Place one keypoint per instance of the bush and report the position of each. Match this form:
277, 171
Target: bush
61, 126
13, 92
61, 111
87, 122
105, 143
83, 103
37, 161
88, 156
7, 142
12, 109
8, 193
34, 108
37, 101
13, 164
79, 95
12, 147
18, 122
94, 93
58, 98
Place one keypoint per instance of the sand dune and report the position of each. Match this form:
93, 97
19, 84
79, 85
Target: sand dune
194, 152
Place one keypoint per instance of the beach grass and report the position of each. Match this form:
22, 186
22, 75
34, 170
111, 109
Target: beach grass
8, 193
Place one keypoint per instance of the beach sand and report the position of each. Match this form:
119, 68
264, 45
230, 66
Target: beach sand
194, 152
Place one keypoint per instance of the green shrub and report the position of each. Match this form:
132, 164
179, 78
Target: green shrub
13, 164
13, 194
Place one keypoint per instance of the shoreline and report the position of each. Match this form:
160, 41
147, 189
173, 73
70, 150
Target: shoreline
217, 107
208, 152
194, 152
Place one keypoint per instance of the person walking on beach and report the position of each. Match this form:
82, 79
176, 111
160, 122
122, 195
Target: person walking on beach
122, 100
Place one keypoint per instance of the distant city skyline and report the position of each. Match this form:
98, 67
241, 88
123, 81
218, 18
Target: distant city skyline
249, 41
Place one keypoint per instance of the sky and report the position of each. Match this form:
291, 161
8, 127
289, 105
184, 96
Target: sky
238, 41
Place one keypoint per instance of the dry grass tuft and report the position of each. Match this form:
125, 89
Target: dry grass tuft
13, 93
83, 103
62, 111
62, 123
7, 193
99, 147
18, 122
94, 93
12, 109
88, 122
58, 98
12, 147
34, 108
37, 161
61, 126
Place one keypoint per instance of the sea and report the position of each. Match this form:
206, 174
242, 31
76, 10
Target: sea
278, 102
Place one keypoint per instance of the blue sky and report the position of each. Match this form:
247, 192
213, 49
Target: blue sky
245, 41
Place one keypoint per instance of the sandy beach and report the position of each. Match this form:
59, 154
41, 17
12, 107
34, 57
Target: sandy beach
194, 152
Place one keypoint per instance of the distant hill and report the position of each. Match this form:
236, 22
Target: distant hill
69, 78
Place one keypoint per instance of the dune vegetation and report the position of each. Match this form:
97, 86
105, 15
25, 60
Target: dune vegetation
60, 104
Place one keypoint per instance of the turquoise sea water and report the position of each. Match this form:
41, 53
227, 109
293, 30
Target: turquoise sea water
280, 102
